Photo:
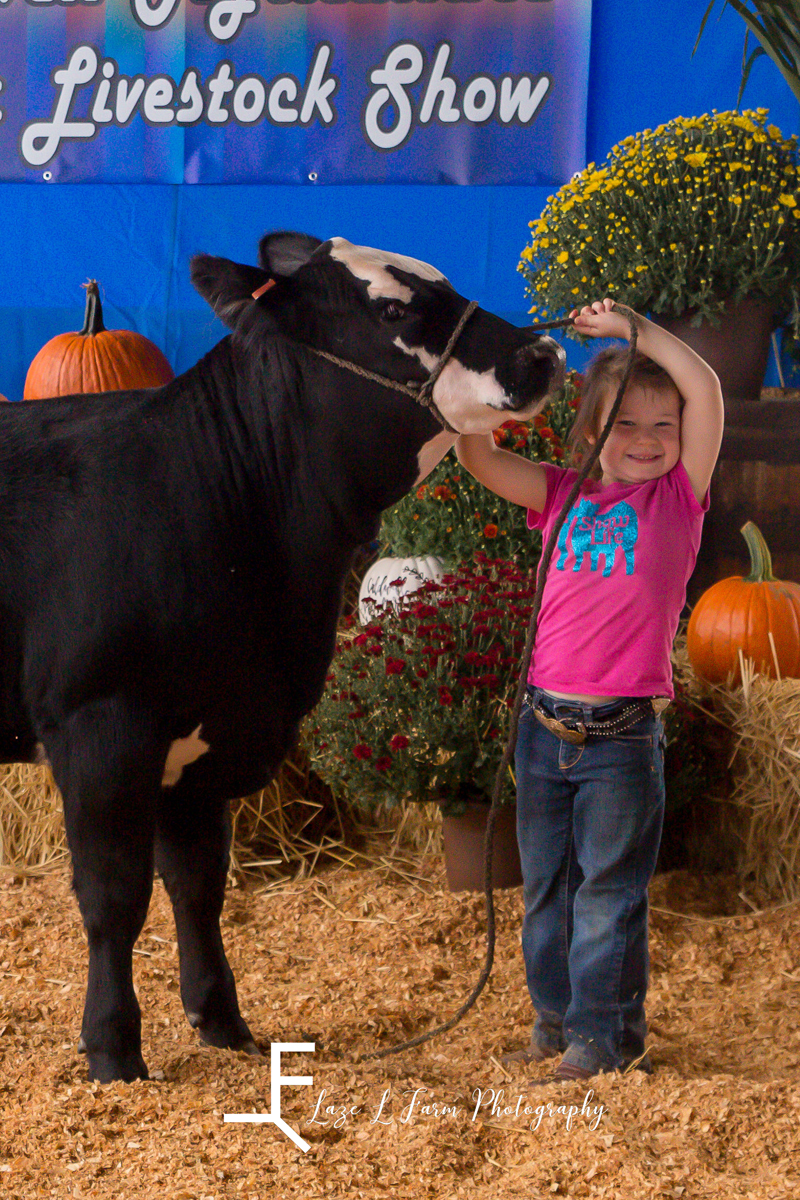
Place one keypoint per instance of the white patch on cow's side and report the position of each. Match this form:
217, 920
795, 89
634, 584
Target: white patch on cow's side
370, 265
433, 452
182, 752
40, 756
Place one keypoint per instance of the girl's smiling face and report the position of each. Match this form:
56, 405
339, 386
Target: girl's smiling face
645, 442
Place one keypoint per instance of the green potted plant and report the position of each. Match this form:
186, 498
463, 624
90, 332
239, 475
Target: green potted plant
416, 703
453, 516
696, 222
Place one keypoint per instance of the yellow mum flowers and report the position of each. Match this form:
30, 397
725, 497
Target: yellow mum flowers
681, 217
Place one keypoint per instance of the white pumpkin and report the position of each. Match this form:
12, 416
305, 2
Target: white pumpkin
379, 584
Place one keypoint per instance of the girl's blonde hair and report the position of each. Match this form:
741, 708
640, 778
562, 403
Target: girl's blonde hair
604, 374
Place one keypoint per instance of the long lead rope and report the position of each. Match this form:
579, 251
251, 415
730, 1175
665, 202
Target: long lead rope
508, 753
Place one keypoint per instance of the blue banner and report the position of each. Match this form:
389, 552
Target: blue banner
290, 91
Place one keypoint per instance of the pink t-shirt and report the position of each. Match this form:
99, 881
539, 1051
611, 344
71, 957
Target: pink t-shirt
616, 585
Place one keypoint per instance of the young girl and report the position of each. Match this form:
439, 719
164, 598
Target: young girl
590, 788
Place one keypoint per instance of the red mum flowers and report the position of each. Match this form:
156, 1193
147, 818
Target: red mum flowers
418, 705
416, 693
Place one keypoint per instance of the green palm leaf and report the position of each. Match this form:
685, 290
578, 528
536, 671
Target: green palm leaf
776, 25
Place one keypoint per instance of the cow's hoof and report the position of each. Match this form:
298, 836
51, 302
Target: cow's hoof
234, 1036
222, 1041
106, 1068
250, 1048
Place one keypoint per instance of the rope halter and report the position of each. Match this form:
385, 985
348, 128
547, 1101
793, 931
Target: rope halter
421, 393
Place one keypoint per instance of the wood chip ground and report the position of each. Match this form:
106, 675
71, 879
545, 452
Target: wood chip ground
355, 959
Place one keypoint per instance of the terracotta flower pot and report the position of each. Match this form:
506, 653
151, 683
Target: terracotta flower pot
737, 348
758, 475
464, 853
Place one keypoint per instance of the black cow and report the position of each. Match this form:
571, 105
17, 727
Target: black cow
171, 568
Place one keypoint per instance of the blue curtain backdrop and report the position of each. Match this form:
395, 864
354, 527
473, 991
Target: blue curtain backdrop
137, 240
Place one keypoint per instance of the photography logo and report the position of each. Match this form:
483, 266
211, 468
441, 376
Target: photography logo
276, 1079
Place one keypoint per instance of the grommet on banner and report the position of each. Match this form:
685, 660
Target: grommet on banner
264, 288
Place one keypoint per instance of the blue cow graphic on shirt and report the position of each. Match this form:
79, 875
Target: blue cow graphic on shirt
599, 533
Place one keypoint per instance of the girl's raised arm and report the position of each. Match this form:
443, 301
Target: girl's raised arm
509, 475
703, 415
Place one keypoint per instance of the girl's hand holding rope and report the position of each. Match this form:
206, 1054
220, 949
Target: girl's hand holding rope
603, 319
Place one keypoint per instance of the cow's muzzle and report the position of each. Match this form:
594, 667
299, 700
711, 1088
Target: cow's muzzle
533, 373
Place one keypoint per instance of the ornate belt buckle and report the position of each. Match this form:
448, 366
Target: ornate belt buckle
576, 737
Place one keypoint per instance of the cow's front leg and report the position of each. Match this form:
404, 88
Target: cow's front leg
192, 850
108, 763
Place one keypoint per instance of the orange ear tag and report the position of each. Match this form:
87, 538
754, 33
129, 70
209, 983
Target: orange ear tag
264, 288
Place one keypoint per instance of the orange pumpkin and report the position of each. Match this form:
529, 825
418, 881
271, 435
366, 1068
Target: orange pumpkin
740, 613
96, 359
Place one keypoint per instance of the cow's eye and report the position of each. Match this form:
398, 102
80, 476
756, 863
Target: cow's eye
393, 310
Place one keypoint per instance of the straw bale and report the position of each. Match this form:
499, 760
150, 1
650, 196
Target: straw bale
761, 829
286, 828
765, 717
32, 838
356, 959
289, 825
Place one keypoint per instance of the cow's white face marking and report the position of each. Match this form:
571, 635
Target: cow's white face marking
471, 401
182, 752
370, 265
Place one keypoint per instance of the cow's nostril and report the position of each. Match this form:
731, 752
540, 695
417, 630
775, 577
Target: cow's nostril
537, 368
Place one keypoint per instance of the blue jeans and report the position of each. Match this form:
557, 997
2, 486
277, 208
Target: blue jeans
589, 822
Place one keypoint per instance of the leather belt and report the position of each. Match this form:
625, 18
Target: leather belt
577, 731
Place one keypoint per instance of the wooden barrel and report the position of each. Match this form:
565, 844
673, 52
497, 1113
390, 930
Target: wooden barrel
756, 479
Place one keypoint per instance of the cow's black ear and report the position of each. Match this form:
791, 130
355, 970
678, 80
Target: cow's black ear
284, 253
227, 286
